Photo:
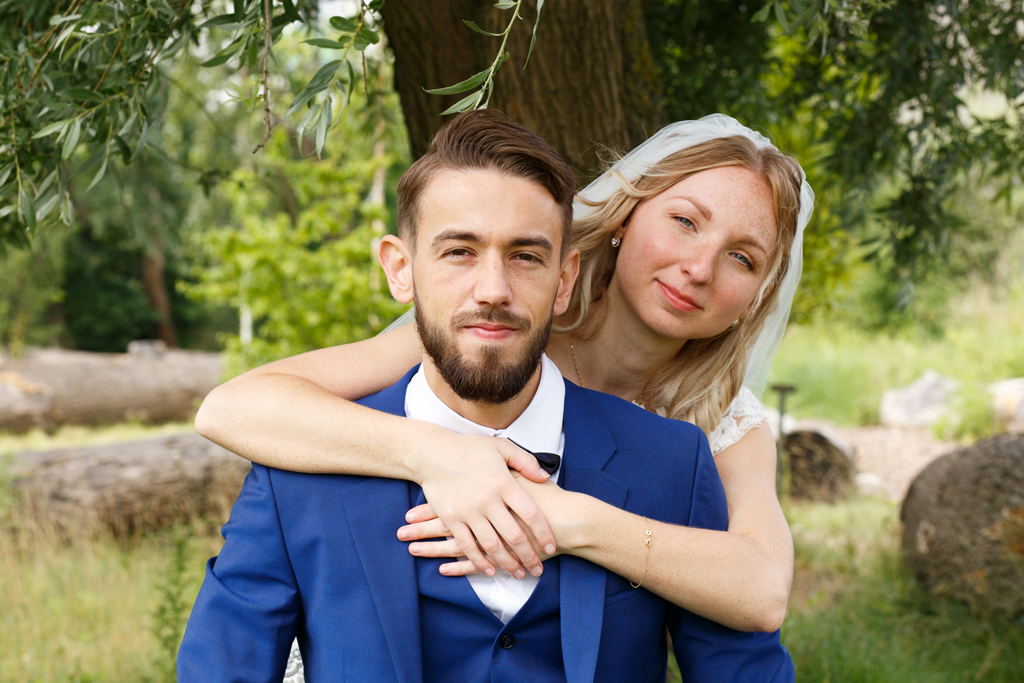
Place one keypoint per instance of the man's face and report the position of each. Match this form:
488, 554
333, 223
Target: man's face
488, 280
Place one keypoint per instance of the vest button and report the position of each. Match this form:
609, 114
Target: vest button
507, 641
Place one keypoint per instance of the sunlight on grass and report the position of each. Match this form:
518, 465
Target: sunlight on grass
79, 436
841, 372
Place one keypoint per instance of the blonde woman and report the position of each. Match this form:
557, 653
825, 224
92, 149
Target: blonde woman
691, 252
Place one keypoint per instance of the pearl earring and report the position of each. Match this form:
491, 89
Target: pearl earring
735, 322
616, 242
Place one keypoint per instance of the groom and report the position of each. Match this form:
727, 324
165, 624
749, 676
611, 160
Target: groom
483, 221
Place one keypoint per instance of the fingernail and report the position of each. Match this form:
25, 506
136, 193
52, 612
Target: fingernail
444, 569
543, 474
520, 574
403, 534
410, 517
489, 572
414, 548
550, 548
535, 571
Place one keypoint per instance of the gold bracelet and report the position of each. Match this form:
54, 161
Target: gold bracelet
647, 542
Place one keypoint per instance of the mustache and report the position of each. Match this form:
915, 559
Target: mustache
499, 316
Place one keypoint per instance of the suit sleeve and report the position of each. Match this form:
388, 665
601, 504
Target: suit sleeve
705, 650
245, 618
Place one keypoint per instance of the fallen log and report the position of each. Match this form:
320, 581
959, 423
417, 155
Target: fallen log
50, 387
131, 487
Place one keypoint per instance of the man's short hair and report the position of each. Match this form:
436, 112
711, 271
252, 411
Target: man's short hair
486, 140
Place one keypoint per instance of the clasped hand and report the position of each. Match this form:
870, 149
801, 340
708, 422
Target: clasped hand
484, 498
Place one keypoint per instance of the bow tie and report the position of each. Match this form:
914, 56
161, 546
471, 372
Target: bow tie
549, 462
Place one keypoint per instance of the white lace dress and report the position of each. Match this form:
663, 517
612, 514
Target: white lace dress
744, 413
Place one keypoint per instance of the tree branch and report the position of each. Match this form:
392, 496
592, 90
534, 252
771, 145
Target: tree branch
266, 88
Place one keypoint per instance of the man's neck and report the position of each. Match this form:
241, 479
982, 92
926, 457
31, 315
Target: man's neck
489, 415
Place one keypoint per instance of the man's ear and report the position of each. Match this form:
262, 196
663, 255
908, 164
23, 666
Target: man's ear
396, 260
566, 280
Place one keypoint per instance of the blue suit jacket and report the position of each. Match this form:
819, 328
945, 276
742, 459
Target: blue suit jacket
316, 557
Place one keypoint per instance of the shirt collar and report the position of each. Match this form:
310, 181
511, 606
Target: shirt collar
538, 428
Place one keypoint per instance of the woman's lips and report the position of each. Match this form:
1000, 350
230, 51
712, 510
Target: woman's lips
677, 299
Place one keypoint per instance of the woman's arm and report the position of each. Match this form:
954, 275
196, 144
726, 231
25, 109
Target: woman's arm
293, 414
740, 578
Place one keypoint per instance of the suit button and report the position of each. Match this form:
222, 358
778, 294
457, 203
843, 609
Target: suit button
507, 641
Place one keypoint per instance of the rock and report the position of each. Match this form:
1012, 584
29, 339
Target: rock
921, 404
819, 469
130, 487
963, 525
151, 384
1008, 401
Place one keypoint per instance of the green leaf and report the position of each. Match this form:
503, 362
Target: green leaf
533, 38
762, 14
124, 149
99, 174
82, 94
51, 129
219, 21
505, 4
780, 14
311, 117
142, 140
71, 141
46, 183
5, 174
324, 75
375, 5
47, 206
323, 42
7, 211
468, 84
476, 28
344, 25
321, 127
364, 39
92, 160
57, 19
28, 210
218, 60
462, 105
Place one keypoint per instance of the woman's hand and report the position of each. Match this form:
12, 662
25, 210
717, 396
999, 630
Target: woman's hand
469, 484
555, 503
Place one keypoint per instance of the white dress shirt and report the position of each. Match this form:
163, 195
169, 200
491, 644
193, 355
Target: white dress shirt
538, 429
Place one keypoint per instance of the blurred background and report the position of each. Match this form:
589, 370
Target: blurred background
149, 253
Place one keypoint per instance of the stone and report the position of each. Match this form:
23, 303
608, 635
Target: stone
924, 403
1008, 401
818, 468
963, 525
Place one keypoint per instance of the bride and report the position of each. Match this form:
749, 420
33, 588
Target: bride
690, 257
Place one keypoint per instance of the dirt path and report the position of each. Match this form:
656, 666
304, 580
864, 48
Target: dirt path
888, 458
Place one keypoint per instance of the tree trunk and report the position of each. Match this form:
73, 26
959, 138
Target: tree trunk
153, 261
129, 488
52, 386
590, 83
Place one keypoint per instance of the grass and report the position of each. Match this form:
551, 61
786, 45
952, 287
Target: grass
78, 436
841, 372
856, 616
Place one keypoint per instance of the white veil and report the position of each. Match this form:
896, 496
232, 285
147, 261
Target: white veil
671, 139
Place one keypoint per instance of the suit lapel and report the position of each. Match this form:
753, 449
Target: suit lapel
588, 447
375, 510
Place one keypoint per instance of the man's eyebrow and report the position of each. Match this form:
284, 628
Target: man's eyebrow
455, 235
467, 236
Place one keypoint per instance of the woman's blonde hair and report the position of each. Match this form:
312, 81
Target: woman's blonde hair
706, 374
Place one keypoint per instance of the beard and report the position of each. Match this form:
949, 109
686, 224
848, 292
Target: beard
489, 380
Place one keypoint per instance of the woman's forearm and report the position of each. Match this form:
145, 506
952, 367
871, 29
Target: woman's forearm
723, 576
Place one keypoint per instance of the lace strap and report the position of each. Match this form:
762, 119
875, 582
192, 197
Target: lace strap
743, 414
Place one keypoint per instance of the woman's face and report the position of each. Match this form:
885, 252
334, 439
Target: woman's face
693, 257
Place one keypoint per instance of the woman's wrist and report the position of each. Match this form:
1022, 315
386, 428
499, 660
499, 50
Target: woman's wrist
419, 463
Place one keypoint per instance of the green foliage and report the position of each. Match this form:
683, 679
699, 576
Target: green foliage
172, 611
31, 293
300, 253
976, 417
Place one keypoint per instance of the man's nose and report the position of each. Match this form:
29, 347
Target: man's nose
492, 285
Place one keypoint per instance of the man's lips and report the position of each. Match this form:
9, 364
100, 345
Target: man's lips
677, 299
490, 331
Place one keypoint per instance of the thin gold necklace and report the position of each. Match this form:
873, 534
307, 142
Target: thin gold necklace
572, 350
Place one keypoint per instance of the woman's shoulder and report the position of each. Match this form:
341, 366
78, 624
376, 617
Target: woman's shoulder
743, 414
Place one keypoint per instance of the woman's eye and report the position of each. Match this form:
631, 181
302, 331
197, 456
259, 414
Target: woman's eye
685, 222
743, 260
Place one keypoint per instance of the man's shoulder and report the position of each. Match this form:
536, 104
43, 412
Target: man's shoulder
392, 399
624, 416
